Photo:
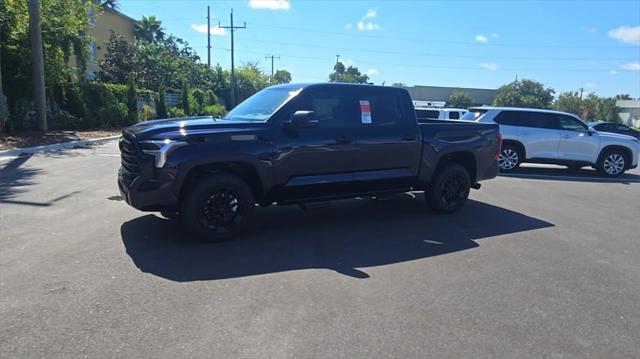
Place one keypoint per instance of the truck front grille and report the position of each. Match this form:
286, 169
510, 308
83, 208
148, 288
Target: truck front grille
129, 159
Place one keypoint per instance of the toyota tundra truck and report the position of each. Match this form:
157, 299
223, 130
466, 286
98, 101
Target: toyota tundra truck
300, 144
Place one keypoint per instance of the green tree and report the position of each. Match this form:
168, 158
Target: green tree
119, 61
349, 74
459, 99
149, 29
161, 107
132, 101
250, 79
569, 102
623, 97
607, 110
399, 84
186, 107
282, 77
524, 93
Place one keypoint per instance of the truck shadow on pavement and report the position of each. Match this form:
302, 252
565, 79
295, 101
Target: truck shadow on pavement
351, 234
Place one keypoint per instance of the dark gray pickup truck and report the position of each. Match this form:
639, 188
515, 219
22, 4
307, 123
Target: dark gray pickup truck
296, 144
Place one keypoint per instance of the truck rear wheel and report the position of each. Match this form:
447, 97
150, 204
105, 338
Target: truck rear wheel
449, 190
218, 208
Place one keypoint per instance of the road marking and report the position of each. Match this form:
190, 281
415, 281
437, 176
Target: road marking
571, 178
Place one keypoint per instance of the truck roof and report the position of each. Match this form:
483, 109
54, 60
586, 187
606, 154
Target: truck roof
336, 84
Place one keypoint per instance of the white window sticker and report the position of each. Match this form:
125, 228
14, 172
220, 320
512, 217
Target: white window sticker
365, 111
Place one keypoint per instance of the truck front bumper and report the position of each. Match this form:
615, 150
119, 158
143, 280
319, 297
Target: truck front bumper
147, 194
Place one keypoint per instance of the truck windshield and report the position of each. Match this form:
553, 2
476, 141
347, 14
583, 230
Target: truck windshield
259, 107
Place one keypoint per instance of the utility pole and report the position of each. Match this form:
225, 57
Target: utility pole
233, 71
208, 36
37, 58
267, 57
581, 91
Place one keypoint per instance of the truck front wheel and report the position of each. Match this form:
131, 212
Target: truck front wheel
218, 207
449, 190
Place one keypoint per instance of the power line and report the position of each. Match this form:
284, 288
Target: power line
452, 42
428, 54
272, 57
233, 29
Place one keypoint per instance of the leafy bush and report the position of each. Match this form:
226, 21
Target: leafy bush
176, 112
146, 113
210, 98
63, 120
214, 110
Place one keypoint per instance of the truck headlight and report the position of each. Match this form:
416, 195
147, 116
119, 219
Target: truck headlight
160, 149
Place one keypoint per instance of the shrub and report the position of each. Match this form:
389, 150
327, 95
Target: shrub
210, 98
147, 113
132, 102
176, 112
63, 120
215, 111
114, 115
161, 107
185, 100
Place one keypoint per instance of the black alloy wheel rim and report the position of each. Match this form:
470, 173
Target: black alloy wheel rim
453, 190
221, 210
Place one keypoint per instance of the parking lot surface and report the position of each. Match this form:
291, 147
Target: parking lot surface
540, 263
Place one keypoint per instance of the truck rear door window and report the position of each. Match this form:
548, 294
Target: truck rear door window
454, 115
385, 109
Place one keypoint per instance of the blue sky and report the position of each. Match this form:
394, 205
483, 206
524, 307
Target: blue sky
567, 45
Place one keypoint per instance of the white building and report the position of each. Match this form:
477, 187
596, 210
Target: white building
629, 112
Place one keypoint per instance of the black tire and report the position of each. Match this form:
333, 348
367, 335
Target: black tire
510, 157
449, 190
218, 207
612, 163
171, 215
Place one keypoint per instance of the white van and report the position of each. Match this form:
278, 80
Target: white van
425, 113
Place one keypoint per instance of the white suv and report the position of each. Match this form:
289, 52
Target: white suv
429, 113
542, 136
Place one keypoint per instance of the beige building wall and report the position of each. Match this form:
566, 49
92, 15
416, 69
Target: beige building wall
104, 22
101, 23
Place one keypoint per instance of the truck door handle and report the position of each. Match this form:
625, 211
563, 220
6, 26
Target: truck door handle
344, 140
408, 138
566, 136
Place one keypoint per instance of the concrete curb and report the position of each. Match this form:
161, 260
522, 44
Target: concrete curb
55, 147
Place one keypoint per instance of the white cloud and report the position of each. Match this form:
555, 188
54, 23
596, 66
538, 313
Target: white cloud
372, 72
626, 34
495, 36
631, 66
589, 85
368, 26
371, 13
613, 72
489, 66
481, 39
590, 29
215, 31
270, 4
348, 26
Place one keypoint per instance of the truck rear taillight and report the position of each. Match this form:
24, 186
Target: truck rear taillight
499, 137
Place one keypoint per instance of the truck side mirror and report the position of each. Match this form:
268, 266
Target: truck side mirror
304, 119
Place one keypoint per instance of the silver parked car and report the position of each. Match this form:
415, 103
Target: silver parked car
543, 136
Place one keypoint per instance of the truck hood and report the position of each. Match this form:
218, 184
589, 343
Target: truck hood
178, 127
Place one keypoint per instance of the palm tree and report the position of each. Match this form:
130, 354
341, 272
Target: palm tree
110, 4
149, 29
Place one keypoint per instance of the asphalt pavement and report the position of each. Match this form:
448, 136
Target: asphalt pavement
543, 263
